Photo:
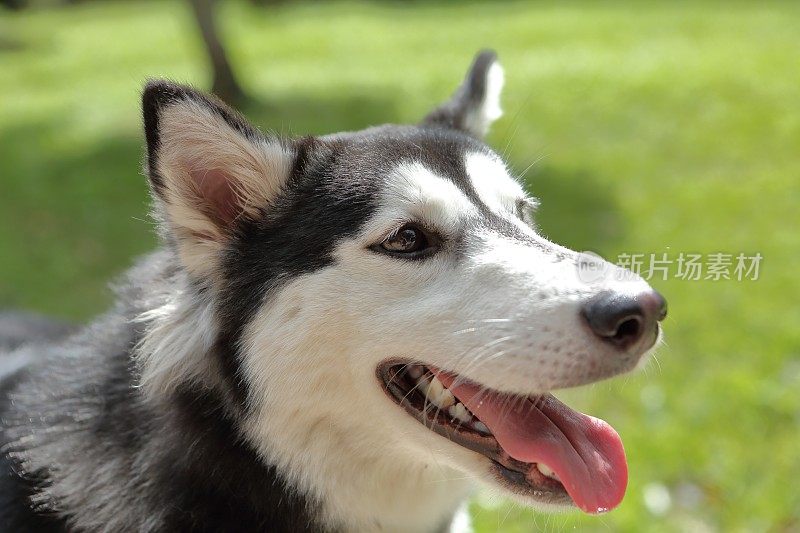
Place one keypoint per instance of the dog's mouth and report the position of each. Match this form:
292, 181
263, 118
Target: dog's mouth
538, 446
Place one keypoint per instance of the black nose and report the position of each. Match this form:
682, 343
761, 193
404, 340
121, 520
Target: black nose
623, 319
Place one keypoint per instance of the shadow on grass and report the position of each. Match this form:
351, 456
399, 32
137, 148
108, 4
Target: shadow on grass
8, 44
72, 216
314, 116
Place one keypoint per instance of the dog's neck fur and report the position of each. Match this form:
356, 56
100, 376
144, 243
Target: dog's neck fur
317, 476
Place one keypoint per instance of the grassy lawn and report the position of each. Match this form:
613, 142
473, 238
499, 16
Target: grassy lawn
653, 128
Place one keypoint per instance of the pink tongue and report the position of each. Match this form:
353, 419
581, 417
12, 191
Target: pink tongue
585, 452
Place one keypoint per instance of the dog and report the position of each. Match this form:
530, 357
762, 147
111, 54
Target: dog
338, 333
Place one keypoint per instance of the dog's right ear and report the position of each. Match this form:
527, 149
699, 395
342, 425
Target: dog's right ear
208, 169
476, 103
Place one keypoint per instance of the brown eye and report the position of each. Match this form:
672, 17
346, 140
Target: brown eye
410, 241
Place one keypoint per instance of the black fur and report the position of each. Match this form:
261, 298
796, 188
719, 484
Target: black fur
236, 490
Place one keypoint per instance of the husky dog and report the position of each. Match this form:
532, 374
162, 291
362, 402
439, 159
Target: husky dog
340, 333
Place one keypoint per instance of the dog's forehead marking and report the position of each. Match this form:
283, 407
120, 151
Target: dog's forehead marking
414, 189
492, 182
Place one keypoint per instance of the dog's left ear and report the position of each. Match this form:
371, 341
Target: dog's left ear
209, 171
476, 103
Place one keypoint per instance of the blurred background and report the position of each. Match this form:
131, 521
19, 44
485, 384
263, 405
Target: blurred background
644, 128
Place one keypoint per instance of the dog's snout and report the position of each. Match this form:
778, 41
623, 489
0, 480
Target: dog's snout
623, 319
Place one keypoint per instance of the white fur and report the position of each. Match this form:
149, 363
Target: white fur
479, 119
493, 183
174, 349
461, 521
415, 193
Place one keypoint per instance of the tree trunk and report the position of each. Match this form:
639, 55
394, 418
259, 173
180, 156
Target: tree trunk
224, 82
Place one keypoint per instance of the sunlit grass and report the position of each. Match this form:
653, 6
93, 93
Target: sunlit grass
662, 128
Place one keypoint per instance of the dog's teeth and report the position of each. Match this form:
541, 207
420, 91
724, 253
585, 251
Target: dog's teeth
546, 471
435, 390
440, 396
422, 384
459, 412
415, 371
480, 426
446, 399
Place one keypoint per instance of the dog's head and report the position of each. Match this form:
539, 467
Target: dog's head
355, 279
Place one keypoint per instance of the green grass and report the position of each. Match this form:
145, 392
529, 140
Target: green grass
670, 127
